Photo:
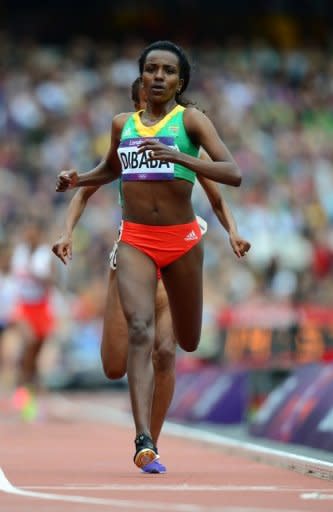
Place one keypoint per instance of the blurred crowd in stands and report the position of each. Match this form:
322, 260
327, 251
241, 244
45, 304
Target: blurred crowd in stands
274, 110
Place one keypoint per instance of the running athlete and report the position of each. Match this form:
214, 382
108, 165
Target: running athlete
32, 268
114, 345
156, 153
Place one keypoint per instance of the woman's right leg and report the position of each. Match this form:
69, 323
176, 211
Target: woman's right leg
114, 347
164, 356
136, 276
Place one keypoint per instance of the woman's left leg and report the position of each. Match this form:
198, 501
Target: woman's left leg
115, 335
183, 283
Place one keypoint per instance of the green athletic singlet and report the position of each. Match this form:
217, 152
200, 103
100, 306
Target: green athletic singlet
170, 131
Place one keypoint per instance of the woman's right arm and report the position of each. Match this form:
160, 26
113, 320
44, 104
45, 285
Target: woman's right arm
109, 169
63, 246
76, 207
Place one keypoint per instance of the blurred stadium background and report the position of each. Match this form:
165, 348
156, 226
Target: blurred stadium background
263, 72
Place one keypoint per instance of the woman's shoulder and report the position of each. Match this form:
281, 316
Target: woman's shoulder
193, 117
193, 112
120, 119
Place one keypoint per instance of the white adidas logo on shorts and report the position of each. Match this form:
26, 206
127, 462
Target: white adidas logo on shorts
191, 236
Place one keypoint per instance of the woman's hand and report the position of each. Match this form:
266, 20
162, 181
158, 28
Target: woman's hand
239, 245
63, 248
158, 151
66, 180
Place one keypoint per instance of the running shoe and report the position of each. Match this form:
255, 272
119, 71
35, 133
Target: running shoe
24, 401
146, 451
154, 467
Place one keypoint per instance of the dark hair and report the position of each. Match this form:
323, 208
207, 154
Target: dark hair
184, 65
135, 97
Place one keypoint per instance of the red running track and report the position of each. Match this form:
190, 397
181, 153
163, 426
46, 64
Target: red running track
69, 464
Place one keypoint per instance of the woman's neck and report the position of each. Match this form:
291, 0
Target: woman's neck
154, 113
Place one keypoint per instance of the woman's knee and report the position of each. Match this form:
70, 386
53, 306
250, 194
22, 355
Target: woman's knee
188, 342
113, 371
164, 356
140, 331
114, 358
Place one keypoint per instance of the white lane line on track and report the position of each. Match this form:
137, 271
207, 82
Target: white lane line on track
316, 496
8, 488
282, 458
300, 463
174, 488
251, 509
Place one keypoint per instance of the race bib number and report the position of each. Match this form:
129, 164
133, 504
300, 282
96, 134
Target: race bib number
137, 166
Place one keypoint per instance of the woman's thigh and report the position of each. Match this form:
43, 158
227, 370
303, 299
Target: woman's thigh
136, 277
183, 282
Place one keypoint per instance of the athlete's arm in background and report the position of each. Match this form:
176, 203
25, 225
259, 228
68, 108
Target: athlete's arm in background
107, 170
63, 246
239, 245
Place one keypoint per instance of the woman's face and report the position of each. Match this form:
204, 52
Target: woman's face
160, 76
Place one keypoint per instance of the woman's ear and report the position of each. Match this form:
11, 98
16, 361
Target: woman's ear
180, 86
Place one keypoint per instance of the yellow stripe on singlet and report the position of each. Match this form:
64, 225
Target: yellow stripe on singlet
151, 131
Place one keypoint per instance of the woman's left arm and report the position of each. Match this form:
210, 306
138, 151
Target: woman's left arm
239, 245
221, 168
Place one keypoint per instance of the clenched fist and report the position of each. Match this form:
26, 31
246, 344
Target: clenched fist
239, 245
63, 248
66, 180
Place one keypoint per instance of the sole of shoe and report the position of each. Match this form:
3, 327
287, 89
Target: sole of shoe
144, 457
